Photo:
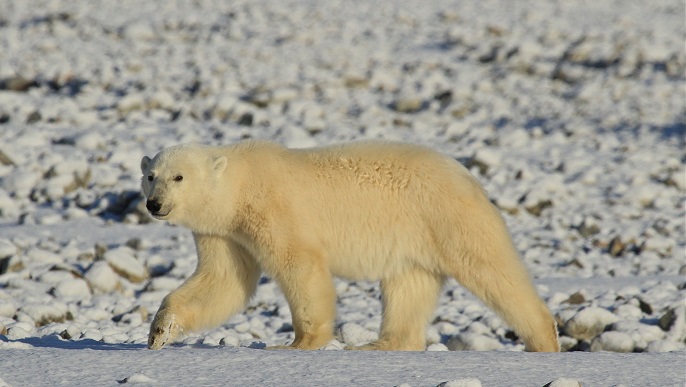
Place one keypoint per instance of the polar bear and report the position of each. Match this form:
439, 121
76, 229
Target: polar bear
398, 213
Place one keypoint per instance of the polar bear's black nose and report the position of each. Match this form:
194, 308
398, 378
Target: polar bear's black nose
153, 206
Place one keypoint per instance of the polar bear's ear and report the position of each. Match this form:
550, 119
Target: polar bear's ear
219, 164
145, 162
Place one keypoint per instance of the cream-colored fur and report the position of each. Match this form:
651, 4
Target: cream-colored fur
397, 213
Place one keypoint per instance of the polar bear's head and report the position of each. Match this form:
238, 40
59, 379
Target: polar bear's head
179, 181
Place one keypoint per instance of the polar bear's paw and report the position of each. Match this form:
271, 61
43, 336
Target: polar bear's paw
162, 330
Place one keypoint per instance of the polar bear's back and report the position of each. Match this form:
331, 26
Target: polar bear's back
386, 200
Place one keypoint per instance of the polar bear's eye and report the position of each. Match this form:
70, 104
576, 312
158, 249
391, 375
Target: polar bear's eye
178, 178
150, 178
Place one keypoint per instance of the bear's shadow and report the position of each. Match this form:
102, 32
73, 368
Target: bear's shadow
54, 341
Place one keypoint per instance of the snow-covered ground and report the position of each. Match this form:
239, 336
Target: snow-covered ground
571, 113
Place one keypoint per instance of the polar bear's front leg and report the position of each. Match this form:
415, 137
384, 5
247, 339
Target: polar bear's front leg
163, 328
308, 286
223, 282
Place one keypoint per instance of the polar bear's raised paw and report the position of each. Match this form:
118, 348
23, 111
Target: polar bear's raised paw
162, 330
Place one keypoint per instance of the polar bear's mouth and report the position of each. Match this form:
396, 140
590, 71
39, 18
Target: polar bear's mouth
159, 215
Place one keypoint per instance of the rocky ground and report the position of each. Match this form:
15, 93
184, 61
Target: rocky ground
570, 113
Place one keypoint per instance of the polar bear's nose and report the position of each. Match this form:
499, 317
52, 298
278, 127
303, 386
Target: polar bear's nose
153, 206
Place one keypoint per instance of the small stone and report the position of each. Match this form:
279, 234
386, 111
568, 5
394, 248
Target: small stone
33, 117
567, 343
10, 265
408, 104
124, 263
6, 160
613, 342
17, 84
589, 322
74, 289
471, 382
473, 342
100, 251
102, 277
564, 382
645, 307
576, 262
135, 243
587, 229
616, 247
667, 320
538, 208
576, 299
353, 334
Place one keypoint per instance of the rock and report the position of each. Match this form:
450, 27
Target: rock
485, 159
7, 309
665, 346
616, 247
123, 261
72, 331
613, 342
644, 306
576, 299
468, 341
33, 117
589, 322
667, 320
17, 84
564, 382
567, 343
9, 262
73, 289
102, 278
437, 347
408, 104
6, 160
137, 378
130, 103
674, 322
43, 314
354, 335
471, 382
588, 228
537, 209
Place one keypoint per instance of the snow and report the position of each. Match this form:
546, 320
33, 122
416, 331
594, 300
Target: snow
571, 117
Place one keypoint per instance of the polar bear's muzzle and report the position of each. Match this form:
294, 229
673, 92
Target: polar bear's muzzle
155, 207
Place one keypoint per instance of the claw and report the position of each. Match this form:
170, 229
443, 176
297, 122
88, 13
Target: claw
161, 332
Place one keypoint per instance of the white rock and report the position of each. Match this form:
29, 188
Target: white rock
468, 341
102, 277
75, 289
613, 342
124, 263
140, 30
91, 334
665, 346
230, 341
18, 332
7, 248
470, 382
131, 102
7, 308
564, 382
91, 140
589, 323
42, 256
164, 283
355, 335
437, 347
20, 183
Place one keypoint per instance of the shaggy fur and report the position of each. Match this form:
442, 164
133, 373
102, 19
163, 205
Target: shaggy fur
397, 213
